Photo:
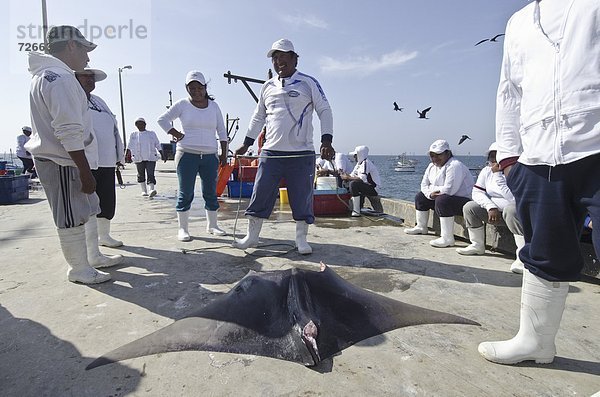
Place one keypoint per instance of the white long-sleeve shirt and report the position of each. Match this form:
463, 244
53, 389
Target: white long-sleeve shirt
453, 179
490, 190
286, 106
201, 127
104, 123
144, 146
548, 101
21, 141
59, 113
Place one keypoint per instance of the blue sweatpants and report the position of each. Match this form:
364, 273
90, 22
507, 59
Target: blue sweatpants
299, 173
188, 166
552, 203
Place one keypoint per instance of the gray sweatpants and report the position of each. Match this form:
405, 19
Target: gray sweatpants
476, 216
70, 206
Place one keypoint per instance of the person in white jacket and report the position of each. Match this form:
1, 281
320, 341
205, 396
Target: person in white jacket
144, 150
445, 188
110, 154
548, 134
363, 181
63, 145
492, 203
286, 105
24, 155
197, 151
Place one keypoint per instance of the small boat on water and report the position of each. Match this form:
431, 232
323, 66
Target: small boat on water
405, 164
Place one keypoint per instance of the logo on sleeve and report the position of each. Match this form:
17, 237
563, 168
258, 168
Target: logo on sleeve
50, 76
293, 93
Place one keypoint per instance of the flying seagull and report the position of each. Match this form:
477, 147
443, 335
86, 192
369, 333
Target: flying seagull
463, 138
423, 113
492, 39
396, 107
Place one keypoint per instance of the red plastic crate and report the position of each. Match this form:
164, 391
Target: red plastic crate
247, 173
331, 204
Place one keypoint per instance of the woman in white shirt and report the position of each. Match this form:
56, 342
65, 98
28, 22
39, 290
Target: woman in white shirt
492, 203
197, 151
446, 188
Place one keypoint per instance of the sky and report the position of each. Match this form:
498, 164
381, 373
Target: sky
365, 54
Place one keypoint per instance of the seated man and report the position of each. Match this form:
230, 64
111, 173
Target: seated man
492, 203
363, 180
445, 188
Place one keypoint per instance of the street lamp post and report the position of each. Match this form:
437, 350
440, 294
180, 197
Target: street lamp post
122, 111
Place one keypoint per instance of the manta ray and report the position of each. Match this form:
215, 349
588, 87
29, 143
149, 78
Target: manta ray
297, 315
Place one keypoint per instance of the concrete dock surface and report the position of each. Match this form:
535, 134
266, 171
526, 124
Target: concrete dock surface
50, 329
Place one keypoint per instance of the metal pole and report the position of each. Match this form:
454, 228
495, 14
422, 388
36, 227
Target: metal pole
122, 110
45, 25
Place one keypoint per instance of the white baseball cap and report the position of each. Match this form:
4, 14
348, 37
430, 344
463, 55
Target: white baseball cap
439, 146
493, 147
195, 75
140, 119
99, 75
283, 45
26, 128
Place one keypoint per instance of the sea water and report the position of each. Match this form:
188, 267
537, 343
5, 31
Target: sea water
405, 185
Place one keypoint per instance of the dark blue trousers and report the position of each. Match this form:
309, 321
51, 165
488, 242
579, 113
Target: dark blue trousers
299, 172
443, 205
552, 203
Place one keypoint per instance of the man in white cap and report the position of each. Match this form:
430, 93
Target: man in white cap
548, 134
144, 149
286, 105
23, 154
63, 145
110, 155
445, 188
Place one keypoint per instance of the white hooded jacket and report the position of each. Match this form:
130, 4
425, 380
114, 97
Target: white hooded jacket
60, 119
364, 168
548, 102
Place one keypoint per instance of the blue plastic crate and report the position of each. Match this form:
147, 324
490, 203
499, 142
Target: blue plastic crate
233, 189
14, 188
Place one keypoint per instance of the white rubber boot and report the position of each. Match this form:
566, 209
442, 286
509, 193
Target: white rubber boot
517, 265
72, 243
477, 246
152, 192
301, 243
183, 218
251, 239
211, 224
421, 227
446, 233
95, 257
144, 189
542, 305
104, 237
356, 206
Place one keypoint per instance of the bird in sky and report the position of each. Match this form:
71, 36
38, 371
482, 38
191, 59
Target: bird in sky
463, 138
396, 107
423, 113
492, 39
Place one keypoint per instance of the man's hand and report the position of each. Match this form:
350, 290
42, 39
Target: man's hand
494, 216
327, 151
241, 150
435, 194
223, 159
88, 182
